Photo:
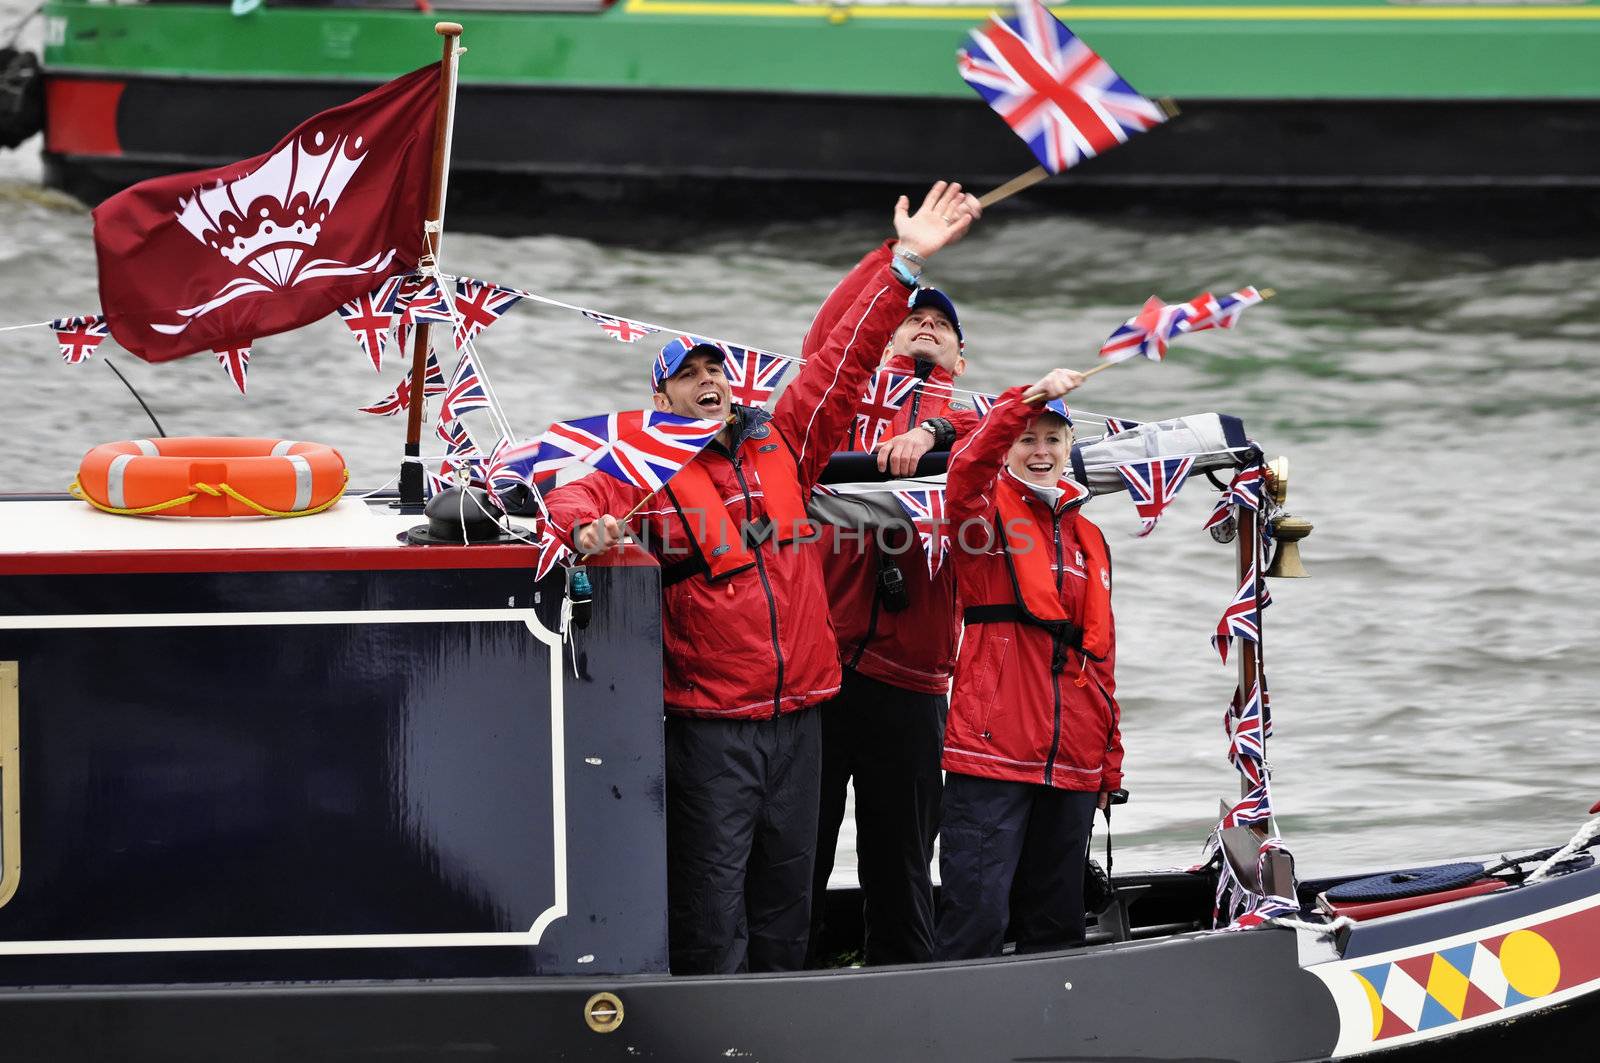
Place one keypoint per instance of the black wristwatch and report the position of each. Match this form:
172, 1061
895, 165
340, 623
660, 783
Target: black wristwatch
944, 433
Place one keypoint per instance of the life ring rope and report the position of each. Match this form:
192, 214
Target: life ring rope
215, 491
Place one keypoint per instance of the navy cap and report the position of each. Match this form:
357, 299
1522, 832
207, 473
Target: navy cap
672, 355
939, 301
1058, 407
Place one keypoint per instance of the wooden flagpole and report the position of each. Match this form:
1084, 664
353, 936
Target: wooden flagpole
433, 233
1027, 180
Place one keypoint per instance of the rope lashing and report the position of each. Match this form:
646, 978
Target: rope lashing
215, 491
1581, 840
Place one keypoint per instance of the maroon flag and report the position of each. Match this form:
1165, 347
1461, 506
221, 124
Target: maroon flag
216, 258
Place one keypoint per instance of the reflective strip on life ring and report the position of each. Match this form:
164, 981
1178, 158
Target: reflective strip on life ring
221, 476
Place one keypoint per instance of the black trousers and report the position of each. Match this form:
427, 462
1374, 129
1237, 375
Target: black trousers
888, 740
1011, 854
741, 833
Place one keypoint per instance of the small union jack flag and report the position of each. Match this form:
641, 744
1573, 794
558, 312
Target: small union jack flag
466, 391
753, 376
1247, 733
1224, 312
235, 361
885, 394
1147, 333
1119, 424
511, 463
79, 336
462, 456
400, 398
620, 328
1254, 807
1052, 89
479, 305
370, 317
1242, 618
925, 509
1244, 490
982, 404
423, 301
1153, 485
552, 551
640, 447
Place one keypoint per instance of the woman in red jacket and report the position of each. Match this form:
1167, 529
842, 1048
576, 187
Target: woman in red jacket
1032, 746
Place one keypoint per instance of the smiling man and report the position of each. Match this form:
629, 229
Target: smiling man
747, 643
898, 629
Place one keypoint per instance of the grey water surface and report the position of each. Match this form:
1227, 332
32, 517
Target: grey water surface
1434, 683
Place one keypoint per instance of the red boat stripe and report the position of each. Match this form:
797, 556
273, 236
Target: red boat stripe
81, 116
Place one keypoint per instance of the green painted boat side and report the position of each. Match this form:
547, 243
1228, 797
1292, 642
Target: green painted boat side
1243, 51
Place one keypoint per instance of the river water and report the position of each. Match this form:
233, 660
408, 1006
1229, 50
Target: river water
1434, 684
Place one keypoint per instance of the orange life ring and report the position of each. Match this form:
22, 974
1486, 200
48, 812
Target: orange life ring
211, 476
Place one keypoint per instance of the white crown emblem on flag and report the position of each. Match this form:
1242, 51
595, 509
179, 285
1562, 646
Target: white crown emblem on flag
269, 219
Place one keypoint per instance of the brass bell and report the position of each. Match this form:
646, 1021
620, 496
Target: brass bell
1288, 531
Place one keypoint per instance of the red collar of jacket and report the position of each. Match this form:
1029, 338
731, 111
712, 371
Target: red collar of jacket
940, 377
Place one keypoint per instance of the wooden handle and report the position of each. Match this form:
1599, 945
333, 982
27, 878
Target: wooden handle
447, 29
1013, 186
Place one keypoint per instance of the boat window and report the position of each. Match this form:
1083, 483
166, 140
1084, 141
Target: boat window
10, 784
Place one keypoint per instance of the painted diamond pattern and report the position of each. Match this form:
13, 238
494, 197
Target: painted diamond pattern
1486, 975
1403, 997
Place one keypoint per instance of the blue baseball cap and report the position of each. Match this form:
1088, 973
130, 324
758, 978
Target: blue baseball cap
670, 360
1059, 408
939, 301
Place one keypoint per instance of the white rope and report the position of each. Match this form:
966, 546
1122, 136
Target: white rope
1328, 929
34, 324
1580, 840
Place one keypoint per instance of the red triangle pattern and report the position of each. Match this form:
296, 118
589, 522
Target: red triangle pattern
1418, 967
1392, 1026
1477, 1003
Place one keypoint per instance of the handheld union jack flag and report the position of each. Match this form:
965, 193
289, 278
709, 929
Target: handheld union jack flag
235, 361
370, 317
620, 328
640, 447
1147, 333
1242, 618
925, 509
422, 300
753, 376
433, 383
479, 305
466, 391
1243, 490
79, 336
1052, 89
1153, 485
884, 396
1224, 312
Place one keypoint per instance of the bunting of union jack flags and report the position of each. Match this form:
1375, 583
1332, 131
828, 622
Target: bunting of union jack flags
1063, 100
235, 361
465, 392
886, 393
1153, 485
925, 509
620, 328
1243, 490
77, 337
1241, 619
479, 305
433, 383
754, 376
421, 299
512, 463
370, 318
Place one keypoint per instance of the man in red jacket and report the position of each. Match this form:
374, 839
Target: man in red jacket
1033, 743
898, 629
747, 643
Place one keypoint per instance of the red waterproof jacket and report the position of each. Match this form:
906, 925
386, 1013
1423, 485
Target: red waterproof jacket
757, 642
913, 649
1028, 706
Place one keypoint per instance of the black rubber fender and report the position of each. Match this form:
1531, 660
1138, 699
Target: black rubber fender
1413, 882
21, 96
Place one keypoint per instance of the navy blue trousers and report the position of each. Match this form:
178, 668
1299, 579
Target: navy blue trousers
741, 835
887, 741
1011, 863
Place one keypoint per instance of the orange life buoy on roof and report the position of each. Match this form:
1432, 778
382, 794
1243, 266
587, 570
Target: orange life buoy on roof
211, 476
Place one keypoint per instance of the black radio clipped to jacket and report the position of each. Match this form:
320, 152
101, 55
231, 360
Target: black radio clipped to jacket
892, 587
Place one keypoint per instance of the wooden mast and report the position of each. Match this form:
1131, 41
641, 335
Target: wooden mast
433, 234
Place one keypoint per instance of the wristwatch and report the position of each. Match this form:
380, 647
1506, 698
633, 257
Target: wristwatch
944, 433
